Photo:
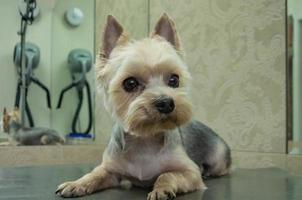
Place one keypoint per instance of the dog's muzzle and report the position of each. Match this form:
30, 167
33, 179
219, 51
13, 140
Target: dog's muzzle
164, 105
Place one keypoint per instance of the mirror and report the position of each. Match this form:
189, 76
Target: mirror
294, 76
58, 83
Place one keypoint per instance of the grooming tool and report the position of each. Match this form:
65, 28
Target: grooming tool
32, 59
79, 63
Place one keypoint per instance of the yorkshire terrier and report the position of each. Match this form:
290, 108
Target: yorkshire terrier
19, 135
154, 141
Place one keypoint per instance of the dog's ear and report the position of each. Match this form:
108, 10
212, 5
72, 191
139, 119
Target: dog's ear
165, 28
16, 114
112, 34
5, 114
5, 121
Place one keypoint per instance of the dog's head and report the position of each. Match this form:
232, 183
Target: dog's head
8, 118
144, 83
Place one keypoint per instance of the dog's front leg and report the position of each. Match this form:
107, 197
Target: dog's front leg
169, 184
96, 180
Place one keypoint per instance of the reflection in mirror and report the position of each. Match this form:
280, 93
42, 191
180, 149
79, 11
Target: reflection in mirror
294, 76
49, 79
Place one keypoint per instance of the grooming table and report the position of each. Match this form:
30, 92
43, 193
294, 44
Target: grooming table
39, 183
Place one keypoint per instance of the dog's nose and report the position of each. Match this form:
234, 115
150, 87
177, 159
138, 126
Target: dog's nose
165, 105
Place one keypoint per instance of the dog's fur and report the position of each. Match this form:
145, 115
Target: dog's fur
19, 135
168, 151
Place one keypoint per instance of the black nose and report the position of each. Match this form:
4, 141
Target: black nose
164, 105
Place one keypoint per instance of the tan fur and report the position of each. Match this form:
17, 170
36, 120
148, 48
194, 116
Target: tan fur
169, 184
147, 157
8, 117
144, 60
5, 121
14, 116
168, 25
96, 180
141, 118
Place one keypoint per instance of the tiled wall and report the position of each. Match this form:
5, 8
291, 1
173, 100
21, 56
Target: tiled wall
236, 52
55, 38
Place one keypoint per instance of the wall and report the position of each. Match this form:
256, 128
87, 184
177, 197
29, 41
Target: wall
38, 33
294, 9
55, 39
236, 53
64, 39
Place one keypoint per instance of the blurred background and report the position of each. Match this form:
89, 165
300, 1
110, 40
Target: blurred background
244, 57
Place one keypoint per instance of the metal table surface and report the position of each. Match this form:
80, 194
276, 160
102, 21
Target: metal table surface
39, 183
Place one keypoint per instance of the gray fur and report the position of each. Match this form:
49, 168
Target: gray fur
199, 141
33, 136
201, 144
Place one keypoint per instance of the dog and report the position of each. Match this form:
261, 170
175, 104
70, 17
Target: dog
154, 142
19, 135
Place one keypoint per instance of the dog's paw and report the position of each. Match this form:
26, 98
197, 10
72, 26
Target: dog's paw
74, 189
161, 194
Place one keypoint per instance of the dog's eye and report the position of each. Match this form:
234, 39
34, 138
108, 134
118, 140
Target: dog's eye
173, 81
130, 84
